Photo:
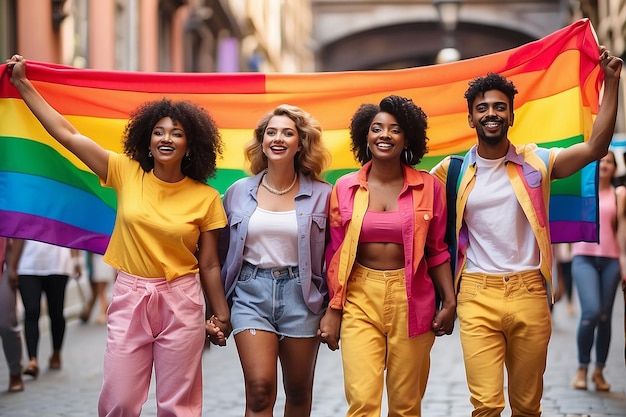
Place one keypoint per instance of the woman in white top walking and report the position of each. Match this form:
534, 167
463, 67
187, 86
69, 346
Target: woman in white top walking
42, 268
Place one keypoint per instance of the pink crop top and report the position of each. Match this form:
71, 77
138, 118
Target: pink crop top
381, 226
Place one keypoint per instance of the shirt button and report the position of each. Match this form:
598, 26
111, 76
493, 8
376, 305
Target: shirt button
426, 217
506, 278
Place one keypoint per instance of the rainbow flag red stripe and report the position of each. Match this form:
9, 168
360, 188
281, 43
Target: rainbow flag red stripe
48, 194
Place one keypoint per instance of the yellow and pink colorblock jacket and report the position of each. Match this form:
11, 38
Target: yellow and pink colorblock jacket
422, 209
529, 168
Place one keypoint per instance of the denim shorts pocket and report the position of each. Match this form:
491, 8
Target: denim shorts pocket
467, 291
246, 274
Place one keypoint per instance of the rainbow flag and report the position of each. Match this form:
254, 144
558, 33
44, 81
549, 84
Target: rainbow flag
47, 194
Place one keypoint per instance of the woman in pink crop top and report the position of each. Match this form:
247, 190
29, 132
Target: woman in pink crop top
385, 259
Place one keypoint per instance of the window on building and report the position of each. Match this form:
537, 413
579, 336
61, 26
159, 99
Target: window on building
165, 36
127, 35
80, 18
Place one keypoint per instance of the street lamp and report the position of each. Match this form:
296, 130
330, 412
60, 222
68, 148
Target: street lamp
448, 11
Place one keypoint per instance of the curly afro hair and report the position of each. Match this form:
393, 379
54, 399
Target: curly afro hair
491, 81
410, 117
203, 137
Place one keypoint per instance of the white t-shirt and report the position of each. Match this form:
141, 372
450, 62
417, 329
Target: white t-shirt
500, 237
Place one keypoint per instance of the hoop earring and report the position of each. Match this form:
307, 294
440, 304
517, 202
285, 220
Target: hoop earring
368, 153
186, 163
149, 154
407, 156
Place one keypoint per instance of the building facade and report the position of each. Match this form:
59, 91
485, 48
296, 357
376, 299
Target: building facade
288, 35
161, 35
373, 34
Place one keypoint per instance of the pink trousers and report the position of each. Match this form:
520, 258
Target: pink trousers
152, 321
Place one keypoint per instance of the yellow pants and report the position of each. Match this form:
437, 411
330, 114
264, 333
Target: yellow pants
504, 320
374, 338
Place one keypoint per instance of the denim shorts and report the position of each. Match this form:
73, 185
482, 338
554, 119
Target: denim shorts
271, 300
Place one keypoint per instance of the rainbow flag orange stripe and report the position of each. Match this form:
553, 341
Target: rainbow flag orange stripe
48, 194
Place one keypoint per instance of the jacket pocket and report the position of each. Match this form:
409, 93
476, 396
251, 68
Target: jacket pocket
318, 228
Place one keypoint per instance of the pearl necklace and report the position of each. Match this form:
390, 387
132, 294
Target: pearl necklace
274, 190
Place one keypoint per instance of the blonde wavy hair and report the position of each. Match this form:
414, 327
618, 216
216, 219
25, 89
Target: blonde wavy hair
313, 156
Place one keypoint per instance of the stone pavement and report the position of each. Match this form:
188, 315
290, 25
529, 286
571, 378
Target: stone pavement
73, 391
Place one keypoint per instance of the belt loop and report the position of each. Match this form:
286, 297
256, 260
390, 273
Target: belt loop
135, 281
484, 281
167, 284
291, 274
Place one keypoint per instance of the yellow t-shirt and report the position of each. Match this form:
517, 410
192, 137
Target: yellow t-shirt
158, 224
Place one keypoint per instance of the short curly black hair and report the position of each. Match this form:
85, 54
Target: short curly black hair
410, 117
203, 137
491, 81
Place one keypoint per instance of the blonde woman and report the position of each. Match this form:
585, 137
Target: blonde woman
273, 269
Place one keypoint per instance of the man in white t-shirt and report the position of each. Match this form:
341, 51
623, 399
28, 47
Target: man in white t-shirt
504, 248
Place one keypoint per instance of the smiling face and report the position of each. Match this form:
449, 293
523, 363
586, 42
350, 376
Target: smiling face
491, 116
385, 138
280, 140
168, 142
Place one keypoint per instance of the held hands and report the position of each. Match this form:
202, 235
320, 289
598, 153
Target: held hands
329, 328
443, 323
218, 330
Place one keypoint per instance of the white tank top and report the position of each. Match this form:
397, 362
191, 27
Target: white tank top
500, 237
272, 239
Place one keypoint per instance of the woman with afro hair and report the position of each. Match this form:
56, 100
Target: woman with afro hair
385, 259
164, 245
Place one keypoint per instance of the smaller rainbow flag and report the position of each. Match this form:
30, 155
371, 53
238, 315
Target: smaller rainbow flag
47, 194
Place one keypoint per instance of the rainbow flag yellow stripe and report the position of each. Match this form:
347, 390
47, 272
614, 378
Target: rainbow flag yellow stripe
48, 194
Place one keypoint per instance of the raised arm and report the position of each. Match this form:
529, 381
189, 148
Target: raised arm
574, 158
92, 154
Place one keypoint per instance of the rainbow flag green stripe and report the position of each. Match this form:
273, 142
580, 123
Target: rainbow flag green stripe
48, 194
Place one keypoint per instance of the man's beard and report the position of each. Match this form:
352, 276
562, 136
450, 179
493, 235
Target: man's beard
492, 140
